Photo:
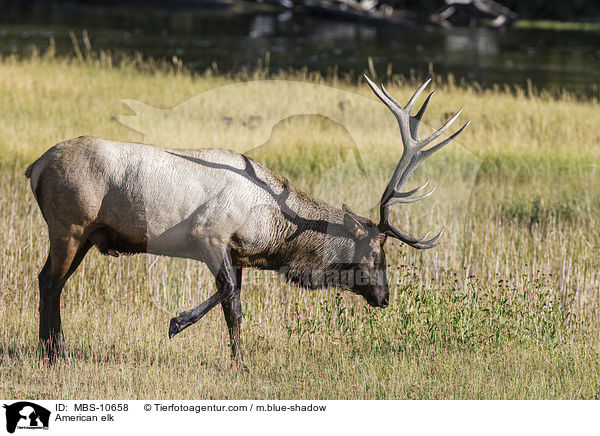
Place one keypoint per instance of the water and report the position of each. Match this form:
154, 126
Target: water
549, 59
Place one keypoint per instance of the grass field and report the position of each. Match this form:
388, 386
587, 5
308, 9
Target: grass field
515, 317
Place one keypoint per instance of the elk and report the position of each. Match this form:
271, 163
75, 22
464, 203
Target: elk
218, 207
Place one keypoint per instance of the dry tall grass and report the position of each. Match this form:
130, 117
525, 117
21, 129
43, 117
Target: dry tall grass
516, 318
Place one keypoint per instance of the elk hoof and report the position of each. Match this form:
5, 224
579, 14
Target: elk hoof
53, 349
174, 328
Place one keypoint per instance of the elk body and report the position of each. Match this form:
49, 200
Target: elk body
215, 206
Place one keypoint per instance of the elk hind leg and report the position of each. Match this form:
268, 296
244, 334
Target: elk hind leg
66, 253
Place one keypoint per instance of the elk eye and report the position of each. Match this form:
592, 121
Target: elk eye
375, 255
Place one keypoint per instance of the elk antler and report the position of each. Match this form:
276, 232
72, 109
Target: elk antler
411, 158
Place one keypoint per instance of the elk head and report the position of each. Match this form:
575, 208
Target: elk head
369, 238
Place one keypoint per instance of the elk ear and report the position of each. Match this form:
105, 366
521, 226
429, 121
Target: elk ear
354, 226
347, 209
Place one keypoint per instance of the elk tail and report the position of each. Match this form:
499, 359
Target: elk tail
29, 170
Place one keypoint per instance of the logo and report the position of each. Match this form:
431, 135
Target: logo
335, 145
26, 415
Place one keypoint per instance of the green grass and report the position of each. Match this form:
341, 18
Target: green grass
556, 25
515, 317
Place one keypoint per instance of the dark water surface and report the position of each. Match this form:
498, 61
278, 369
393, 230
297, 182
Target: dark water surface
550, 59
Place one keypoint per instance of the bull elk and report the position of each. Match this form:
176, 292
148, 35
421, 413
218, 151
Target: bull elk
218, 207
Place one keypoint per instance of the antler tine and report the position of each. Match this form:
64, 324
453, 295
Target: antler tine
403, 198
402, 117
431, 242
412, 157
413, 122
416, 120
437, 133
412, 191
392, 104
393, 193
431, 150
387, 94
416, 95
419, 115
420, 243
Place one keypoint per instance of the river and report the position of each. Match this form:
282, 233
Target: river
549, 59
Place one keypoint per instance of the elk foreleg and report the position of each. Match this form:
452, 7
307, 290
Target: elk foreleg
226, 286
232, 309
